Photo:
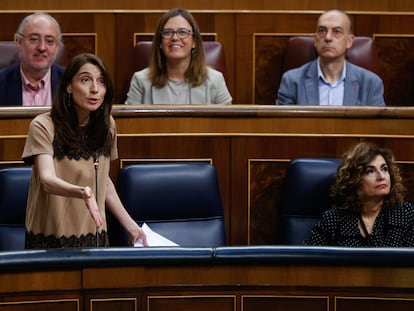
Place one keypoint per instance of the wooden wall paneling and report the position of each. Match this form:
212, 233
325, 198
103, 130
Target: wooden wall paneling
12, 281
365, 24
244, 46
105, 27
32, 5
130, 28
10, 22
37, 303
76, 43
394, 40
379, 5
112, 301
249, 28
83, 32
226, 32
396, 54
250, 205
191, 302
288, 302
269, 53
11, 149
222, 286
265, 182
377, 303
407, 173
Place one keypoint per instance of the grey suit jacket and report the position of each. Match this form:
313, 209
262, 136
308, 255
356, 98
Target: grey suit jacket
212, 91
299, 86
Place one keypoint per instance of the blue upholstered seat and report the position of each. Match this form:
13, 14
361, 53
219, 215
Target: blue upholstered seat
305, 196
14, 188
181, 201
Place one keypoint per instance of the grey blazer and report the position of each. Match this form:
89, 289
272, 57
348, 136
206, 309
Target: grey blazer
212, 91
299, 86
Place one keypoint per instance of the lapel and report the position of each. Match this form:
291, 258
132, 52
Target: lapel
311, 84
351, 86
55, 75
15, 87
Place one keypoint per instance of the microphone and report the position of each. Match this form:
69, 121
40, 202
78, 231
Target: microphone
96, 165
96, 160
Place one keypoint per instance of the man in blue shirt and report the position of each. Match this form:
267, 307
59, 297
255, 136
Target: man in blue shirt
330, 79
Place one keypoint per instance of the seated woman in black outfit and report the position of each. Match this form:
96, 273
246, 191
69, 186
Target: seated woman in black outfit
369, 208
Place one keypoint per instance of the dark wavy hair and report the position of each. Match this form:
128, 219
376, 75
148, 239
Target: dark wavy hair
345, 192
196, 72
71, 139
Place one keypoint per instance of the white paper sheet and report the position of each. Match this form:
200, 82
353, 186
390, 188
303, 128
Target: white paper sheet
154, 238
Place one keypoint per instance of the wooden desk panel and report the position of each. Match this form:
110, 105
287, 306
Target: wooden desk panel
225, 287
226, 278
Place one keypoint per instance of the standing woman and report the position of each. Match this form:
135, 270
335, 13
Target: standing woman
70, 149
369, 209
178, 73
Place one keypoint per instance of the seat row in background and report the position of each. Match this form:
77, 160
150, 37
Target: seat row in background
299, 50
182, 202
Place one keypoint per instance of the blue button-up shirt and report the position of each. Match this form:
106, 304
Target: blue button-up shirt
331, 94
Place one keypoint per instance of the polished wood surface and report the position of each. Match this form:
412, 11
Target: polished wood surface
379, 5
94, 281
250, 145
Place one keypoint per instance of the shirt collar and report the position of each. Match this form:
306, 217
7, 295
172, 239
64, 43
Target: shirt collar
321, 76
39, 85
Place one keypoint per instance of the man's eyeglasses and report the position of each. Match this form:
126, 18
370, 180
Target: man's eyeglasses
182, 33
36, 39
337, 32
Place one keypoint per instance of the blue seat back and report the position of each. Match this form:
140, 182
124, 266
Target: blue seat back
181, 201
305, 197
14, 188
